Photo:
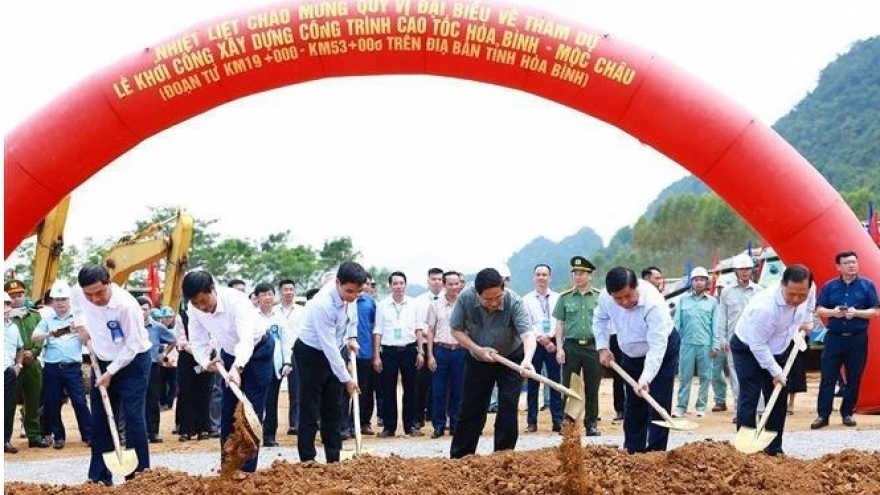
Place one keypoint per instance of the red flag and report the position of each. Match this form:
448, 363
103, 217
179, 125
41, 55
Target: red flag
153, 284
715, 269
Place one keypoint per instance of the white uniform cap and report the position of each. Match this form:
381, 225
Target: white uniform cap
699, 272
59, 290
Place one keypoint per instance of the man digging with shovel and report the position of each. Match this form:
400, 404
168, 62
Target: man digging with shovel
763, 339
110, 321
245, 362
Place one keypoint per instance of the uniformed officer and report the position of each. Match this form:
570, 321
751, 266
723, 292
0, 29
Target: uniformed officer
574, 324
29, 385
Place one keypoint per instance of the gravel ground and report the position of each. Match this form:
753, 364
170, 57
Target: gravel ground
70, 471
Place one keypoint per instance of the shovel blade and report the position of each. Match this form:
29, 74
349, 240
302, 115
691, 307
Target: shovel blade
121, 462
677, 424
574, 404
750, 441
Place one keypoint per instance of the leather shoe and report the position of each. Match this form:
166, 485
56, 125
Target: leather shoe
618, 416
269, 442
39, 443
819, 422
156, 440
386, 434
414, 432
531, 428
8, 448
557, 428
59, 444
292, 431
437, 434
849, 421
593, 431
719, 406
367, 430
186, 438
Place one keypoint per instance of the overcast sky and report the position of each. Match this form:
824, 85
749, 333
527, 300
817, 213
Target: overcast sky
312, 158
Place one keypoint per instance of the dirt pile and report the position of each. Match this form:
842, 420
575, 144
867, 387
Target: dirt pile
240, 447
709, 468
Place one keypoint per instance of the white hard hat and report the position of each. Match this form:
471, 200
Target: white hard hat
699, 272
743, 261
504, 271
59, 290
6, 298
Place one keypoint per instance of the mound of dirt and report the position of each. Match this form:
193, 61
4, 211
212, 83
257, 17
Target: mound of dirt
711, 468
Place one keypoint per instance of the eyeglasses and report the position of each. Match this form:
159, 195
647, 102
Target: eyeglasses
372, 284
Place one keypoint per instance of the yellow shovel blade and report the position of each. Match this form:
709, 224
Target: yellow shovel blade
677, 424
122, 462
574, 404
750, 441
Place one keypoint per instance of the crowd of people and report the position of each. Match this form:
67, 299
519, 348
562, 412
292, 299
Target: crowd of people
441, 349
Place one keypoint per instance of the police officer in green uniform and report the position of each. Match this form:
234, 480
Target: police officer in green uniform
574, 324
29, 384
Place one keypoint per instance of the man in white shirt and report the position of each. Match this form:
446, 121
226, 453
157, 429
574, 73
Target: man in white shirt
112, 320
424, 397
761, 344
272, 320
246, 349
399, 336
649, 349
292, 314
539, 304
330, 320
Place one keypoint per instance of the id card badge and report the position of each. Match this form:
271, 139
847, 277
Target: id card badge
398, 333
545, 325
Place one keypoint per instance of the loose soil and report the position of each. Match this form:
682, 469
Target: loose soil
240, 447
709, 468
703, 467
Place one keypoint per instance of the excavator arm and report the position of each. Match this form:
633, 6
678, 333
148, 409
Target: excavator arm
50, 245
150, 245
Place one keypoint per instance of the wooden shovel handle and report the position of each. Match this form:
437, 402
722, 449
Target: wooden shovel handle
536, 376
355, 404
768, 407
635, 385
232, 385
105, 398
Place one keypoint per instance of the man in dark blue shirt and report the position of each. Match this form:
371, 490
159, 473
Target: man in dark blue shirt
848, 302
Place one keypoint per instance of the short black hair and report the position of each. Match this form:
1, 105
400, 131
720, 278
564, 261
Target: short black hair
351, 272
144, 300
620, 277
647, 272
197, 282
397, 274
844, 254
486, 279
285, 281
435, 271
263, 287
234, 282
545, 265
91, 273
311, 293
796, 273
450, 274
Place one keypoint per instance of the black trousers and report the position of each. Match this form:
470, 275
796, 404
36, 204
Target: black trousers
479, 380
194, 394
9, 403
270, 419
154, 395
618, 388
367, 378
755, 381
320, 393
424, 399
399, 361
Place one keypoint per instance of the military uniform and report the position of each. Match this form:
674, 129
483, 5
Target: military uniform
574, 311
29, 385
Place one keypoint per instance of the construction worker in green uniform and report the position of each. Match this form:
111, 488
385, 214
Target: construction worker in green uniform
29, 384
574, 327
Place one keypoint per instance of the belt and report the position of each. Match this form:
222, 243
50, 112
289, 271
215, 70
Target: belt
398, 347
451, 347
63, 365
584, 342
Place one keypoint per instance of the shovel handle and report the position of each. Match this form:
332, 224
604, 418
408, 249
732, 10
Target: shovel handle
796, 348
232, 385
537, 377
355, 404
105, 398
650, 400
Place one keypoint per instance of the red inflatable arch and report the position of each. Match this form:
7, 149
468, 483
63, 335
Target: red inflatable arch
585, 68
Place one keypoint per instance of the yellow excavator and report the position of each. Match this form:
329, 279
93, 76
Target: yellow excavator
47, 253
150, 245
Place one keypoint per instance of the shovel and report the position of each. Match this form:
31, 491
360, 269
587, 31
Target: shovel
254, 425
119, 462
355, 414
668, 421
751, 440
574, 404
